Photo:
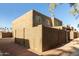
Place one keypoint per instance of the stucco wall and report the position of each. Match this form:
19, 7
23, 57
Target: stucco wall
35, 38
41, 38
31, 37
53, 37
76, 34
24, 21
36, 33
71, 35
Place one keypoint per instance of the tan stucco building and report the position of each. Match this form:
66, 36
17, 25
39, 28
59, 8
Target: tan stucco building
37, 31
72, 32
34, 18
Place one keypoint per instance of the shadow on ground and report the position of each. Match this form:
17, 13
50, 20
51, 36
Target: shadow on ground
74, 52
8, 45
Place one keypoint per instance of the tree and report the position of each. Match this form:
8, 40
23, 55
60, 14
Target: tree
52, 6
74, 9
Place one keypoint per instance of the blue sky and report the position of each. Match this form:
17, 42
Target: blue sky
8, 12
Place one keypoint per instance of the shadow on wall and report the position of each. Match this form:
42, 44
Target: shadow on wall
22, 42
57, 38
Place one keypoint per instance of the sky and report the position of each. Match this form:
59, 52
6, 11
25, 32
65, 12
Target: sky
11, 11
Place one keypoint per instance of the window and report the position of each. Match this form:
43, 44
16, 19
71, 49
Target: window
37, 20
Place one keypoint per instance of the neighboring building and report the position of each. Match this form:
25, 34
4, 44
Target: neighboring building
5, 34
72, 32
35, 31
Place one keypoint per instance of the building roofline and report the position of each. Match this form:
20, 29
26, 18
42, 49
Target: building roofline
21, 16
46, 15
33, 10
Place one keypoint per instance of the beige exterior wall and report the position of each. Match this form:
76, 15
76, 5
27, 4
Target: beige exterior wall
25, 21
19, 33
28, 32
71, 35
34, 35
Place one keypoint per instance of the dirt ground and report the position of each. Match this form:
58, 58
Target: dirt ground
69, 49
9, 48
